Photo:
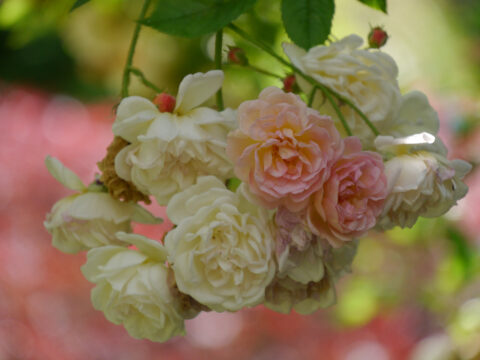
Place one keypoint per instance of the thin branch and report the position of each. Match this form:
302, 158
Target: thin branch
218, 65
144, 80
263, 71
259, 70
131, 51
327, 93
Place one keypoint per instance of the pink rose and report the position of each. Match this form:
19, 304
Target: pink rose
283, 149
352, 198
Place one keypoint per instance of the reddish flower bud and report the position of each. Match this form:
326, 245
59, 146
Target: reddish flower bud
165, 102
377, 37
237, 56
290, 84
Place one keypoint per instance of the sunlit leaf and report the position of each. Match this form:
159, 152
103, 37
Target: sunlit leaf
78, 3
193, 18
308, 22
376, 4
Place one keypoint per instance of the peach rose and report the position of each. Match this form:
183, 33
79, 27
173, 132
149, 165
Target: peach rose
352, 198
283, 149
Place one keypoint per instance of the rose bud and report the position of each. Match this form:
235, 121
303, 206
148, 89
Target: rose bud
165, 102
290, 84
377, 38
237, 56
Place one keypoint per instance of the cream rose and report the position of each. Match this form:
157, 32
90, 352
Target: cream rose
421, 182
169, 151
368, 78
132, 288
414, 115
89, 218
222, 248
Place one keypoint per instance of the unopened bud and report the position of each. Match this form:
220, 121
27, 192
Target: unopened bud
165, 102
290, 84
237, 56
377, 37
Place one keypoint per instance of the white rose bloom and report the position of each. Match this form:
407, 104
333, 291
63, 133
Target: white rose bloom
222, 248
88, 219
368, 78
132, 288
168, 151
422, 182
285, 293
415, 115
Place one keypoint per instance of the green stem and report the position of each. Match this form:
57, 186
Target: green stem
328, 94
218, 65
312, 96
131, 51
259, 44
311, 80
359, 112
144, 80
263, 71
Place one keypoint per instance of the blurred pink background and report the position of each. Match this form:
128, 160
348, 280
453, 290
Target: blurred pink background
45, 309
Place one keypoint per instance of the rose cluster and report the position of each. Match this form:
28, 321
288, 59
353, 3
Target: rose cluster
268, 200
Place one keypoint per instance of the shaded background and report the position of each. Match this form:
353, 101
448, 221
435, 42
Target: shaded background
414, 294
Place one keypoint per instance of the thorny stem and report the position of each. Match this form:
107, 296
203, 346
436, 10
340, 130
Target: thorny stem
131, 51
311, 80
218, 65
144, 80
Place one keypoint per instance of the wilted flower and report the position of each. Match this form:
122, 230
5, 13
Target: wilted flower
285, 294
282, 149
133, 289
222, 248
299, 252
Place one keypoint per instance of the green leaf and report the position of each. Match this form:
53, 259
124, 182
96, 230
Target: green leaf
376, 4
79, 3
193, 18
308, 22
462, 250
